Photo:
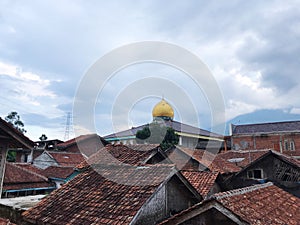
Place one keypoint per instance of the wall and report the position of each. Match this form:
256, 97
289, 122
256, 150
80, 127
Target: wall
170, 199
154, 211
43, 161
274, 170
267, 141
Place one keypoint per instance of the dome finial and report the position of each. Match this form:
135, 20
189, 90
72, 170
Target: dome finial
163, 110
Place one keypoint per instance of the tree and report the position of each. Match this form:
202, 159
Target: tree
14, 119
157, 133
43, 137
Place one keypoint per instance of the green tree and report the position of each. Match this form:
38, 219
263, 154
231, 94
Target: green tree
43, 137
14, 119
158, 133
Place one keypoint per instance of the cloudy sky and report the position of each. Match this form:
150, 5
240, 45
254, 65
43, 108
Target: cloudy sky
252, 49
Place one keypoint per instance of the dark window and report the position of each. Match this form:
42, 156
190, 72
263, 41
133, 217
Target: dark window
255, 174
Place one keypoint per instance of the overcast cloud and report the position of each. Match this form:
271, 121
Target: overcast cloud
46, 47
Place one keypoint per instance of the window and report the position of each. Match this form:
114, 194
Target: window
292, 145
286, 145
255, 174
289, 145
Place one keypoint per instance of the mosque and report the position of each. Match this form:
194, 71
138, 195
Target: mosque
189, 136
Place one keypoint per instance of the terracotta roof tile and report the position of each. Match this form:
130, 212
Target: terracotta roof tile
99, 197
58, 172
17, 178
226, 162
78, 139
16, 135
202, 181
262, 204
67, 159
121, 154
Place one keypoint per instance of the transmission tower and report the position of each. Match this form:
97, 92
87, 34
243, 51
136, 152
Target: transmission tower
68, 124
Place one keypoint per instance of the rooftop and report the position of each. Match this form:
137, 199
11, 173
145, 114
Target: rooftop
119, 154
202, 181
275, 127
262, 204
95, 196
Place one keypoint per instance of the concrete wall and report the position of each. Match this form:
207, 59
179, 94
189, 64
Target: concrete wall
43, 161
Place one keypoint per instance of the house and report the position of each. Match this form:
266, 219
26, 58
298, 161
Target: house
54, 158
116, 194
86, 144
283, 137
226, 163
282, 170
126, 154
163, 114
47, 144
59, 174
258, 204
19, 181
12, 140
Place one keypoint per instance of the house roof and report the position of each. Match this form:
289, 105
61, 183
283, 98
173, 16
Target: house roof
177, 126
288, 159
119, 154
61, 172
94, 196
66, 159
80, 139
17, 177
275, 127
225, 162
262, 204
202, 181
258, 204
20, 140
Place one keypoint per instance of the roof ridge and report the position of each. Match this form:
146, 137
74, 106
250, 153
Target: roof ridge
241, 191
251, 124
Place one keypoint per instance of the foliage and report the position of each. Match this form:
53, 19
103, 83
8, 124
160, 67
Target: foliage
14, 119
43, 137
11, 156
158, 133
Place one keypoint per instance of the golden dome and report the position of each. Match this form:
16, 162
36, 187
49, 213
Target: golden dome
163, 109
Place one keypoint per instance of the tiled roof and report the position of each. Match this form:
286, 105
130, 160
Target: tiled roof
177, 126
262, 204
50, 172
93, 197
119, 153
16, 178
226, 162
58, 172
30, 167
79, 139
287, 126
67, 159
9, 129
202, 181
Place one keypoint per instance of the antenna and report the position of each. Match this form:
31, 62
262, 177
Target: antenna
68, 123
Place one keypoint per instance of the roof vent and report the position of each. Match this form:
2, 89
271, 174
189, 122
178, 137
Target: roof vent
235, 160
